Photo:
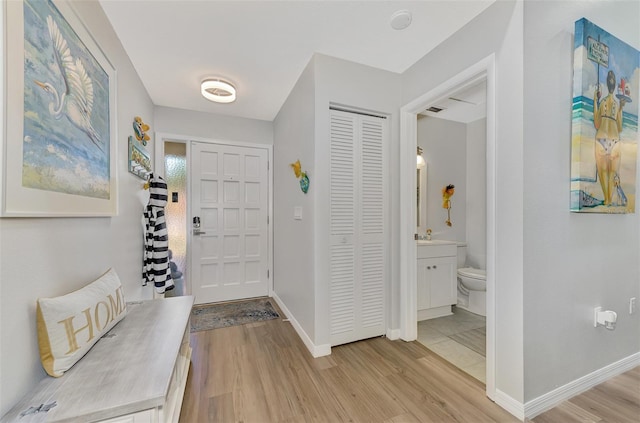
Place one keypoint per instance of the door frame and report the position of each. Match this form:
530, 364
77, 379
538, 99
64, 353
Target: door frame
162, 137
408, 250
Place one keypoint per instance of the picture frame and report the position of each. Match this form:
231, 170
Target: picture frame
604, 122
59, 147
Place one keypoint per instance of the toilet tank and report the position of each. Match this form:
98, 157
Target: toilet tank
462, 254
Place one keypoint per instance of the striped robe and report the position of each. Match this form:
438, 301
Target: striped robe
156, 240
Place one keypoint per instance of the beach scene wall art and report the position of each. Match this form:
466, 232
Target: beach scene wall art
604, 130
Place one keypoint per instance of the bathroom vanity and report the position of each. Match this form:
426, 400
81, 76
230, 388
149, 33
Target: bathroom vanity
436, 278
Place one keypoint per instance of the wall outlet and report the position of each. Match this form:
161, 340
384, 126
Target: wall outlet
632, 305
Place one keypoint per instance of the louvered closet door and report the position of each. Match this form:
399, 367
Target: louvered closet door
357, 225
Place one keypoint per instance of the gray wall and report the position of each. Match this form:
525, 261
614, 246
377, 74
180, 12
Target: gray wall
445, 150
294, 248
477, 193
48, 257
498, 31
573, 262
210, 126
356, 86
302, 131
455, 153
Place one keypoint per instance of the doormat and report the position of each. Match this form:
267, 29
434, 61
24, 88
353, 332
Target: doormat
214, 316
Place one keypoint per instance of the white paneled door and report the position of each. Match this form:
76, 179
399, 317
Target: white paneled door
229, 211
357, 225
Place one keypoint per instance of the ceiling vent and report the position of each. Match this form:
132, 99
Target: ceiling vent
463, 101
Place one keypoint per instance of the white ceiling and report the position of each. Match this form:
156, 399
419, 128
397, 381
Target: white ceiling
263, 46
465, 105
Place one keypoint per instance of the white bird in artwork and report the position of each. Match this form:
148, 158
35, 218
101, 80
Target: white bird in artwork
76, 100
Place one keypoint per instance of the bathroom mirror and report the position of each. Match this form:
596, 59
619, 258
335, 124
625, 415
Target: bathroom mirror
421, 193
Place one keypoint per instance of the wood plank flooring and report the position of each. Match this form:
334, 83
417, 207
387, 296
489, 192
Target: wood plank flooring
262, 372
616, 400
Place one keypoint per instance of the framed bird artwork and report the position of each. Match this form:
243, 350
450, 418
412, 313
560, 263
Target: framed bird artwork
60, 145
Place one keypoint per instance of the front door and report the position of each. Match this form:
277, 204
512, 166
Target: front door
229, 190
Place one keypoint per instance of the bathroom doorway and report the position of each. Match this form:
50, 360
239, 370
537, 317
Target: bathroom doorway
451, 133
483, 71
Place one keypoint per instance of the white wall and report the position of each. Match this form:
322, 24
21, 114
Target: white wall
206, 125
456, 153
294, 248
302, 132
50, 257
445, 150
356, 86
573, 262
477, 194
497, 30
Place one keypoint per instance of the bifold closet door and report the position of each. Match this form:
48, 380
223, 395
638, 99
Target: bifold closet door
357, 227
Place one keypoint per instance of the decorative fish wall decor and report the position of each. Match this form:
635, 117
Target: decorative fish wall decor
301, 175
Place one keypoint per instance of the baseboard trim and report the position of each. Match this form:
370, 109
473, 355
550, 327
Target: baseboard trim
315, 350
510, 404
551, 399
393, 334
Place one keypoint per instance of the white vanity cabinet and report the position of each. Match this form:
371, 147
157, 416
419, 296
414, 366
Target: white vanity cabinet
436, 278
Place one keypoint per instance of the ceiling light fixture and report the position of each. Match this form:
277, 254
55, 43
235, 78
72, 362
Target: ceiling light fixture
401, 19
218, 90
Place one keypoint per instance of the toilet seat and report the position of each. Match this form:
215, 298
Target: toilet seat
473, 273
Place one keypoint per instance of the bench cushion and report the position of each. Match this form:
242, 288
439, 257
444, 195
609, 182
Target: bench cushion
68, 326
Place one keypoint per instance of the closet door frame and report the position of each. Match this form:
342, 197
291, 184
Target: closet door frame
369, 249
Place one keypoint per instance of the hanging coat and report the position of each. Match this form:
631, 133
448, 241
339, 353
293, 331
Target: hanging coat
156, 238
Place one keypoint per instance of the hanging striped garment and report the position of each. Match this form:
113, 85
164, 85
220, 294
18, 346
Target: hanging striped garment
156, 240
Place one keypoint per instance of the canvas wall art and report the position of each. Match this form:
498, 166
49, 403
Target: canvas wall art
604, 139
60, 146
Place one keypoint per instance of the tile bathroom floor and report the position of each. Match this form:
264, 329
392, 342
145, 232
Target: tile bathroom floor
460, 339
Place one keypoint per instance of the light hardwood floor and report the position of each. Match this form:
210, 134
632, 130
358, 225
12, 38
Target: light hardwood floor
262, 372
616, 401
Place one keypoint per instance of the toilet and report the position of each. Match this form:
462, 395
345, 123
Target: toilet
472, 285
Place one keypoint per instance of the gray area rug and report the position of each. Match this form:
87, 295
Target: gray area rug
214, 316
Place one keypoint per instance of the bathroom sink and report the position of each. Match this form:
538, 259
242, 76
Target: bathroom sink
435, 242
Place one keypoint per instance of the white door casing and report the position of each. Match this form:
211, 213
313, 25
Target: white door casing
229, 193
408, 141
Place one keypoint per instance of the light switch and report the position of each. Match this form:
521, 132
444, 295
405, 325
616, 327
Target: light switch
297, 213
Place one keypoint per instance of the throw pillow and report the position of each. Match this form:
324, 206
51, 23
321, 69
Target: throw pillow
68, 326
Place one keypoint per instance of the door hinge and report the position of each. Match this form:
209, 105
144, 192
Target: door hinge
267, 273
267, 219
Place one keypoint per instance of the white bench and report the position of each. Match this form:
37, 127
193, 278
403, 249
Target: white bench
135, 373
